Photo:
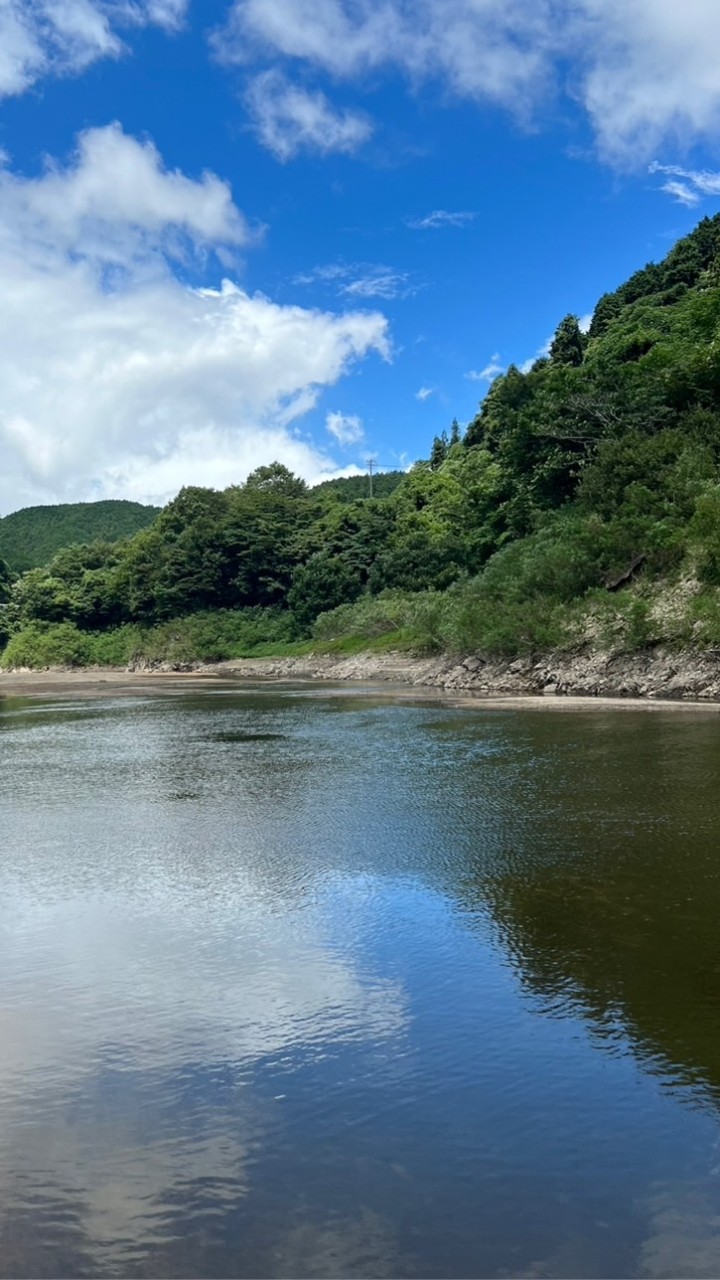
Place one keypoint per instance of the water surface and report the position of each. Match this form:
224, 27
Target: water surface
300, 985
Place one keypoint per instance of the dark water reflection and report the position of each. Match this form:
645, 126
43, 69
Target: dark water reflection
300, 986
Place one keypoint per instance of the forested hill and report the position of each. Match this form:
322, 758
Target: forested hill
32, 536
350, 488
581, 507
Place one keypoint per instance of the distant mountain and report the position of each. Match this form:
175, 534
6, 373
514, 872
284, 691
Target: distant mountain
31, 537
350, 488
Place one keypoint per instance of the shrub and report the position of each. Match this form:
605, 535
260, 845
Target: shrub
368, 617
61, 645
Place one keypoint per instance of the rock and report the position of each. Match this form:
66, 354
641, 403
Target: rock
550, 690
472, 664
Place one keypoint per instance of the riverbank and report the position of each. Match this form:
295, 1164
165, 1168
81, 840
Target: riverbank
558, 681
89, 682
656, 675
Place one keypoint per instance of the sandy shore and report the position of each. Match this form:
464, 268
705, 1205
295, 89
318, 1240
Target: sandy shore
100, 682
398, 682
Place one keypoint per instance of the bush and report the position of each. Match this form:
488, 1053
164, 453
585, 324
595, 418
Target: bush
61, 645
202, 637
560, 561
704, 618
368, 617
212, 636
705, 528
461, 620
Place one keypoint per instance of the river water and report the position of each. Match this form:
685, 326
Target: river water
309, 983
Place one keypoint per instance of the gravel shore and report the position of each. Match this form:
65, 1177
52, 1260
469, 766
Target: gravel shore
560, 682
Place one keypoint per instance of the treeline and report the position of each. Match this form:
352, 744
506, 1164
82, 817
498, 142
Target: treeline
582, 490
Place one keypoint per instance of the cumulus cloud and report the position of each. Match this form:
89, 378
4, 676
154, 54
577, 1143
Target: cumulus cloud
115, 201
474, 44
491, 371
688, 186
651, 72
441, 218
345, 428
645, 71
64, 36
119, 380
288, 119
424, 393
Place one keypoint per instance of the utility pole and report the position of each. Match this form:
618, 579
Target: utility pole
371, 464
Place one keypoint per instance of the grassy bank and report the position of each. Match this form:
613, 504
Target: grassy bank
678, 612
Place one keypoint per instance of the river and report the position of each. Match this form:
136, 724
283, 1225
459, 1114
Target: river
317, 983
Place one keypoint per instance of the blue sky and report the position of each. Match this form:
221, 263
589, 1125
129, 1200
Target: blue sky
401, 198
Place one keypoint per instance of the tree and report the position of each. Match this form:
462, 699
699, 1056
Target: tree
190, 571
276, 478
358, 532
439, 451
568, 345
265, 523
5, 581
5, 587
320, 585
455, 435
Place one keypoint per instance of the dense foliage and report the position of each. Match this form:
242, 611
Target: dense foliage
350, 488
584, 492
31, 537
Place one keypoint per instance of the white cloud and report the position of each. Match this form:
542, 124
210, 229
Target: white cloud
288, 119
59, 37
473, 44
688, 186
424, 393
382, 284
345, 428
645, 71
491, 371
681, 192
118, 380
330, 273
362, 280
115, 202
441, 218
651, 74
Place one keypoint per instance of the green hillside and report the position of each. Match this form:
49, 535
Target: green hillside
31, 537
580, 508
350, 488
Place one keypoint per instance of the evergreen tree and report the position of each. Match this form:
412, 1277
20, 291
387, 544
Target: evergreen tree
439, 451
455, 435
568, 345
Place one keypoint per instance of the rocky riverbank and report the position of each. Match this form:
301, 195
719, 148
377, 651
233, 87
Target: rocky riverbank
561, 680
655, 675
